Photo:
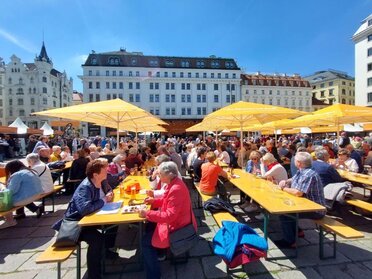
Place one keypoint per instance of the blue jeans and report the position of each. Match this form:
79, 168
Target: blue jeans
150, 255
288, 224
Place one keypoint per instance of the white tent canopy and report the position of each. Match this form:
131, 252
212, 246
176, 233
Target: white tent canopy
47, 130
21, 127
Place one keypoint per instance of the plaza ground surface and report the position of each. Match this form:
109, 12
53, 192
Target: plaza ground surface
21, 245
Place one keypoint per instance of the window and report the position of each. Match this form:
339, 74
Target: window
200, 64
228, 87
167, 86
107, 85
151, 85
121, 73
32, 101
369, 52
137, 85
185, 64
131, 98
134, 61
204, 110
10, 80
369, 97
204, 75
153, 63
167, 98
120, 96
157, 85
157, 74
130, 85
130, 73
330, 83
198, 86
121, 85
169, 63
173, 74
157, 98
114, 85
138, 98
198, 111
44, 79
98, 97
45, 101
233, 100
181, 75
188, 111
322, 94
167, 111
91, 98
229, 64
322, 85
189, 75
45, 90
219, 75
188, 86
278, 102
173, 98
107, 73
183, 86
151, 98
203, 86
173, 111
97, 85
137, 74
183, 98
369, 81
114, 73
188, 98
20, 91
108, 96
331, 92
90, 85
369, 22
215, 97
173, 86
197, 75
97, 72
215, 87
20, 102
165, 74
226, 75
227, 98
215, 64
204, 98
234, 75
369, 67
183, 111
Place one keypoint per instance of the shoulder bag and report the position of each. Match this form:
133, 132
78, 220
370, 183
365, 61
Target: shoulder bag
183, 239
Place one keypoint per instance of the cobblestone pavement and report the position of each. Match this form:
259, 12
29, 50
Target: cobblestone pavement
20, 246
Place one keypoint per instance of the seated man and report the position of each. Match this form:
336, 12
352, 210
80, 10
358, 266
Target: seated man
56, 154
199, 161
209, 184
305, 183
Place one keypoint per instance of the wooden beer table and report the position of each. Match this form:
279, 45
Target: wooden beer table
272, 199
108, 221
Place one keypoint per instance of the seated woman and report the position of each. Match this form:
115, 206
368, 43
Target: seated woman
209, 184
222, 155
272, 170
133, 160
66, 154
344, 161
174, 212
88, 198
77, 171
115, 167
25, 186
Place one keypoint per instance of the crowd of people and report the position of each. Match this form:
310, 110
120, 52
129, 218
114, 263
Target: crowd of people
298, 165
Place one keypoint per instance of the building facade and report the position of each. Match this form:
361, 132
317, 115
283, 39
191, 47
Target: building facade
363, 63
333, 87
277, 90
175, 89
26, 88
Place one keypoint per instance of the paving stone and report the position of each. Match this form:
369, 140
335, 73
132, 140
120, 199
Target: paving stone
31, 265
49, 273
333, 272
193, 266
214, 267
10, 246
17, 232
168, 270
206, 232
202, 248
356, 250
261, 266
304, 273
38, 244
71, 273
358, 270
263, 276
43, 231
368, 264
19, 275
28, 222
48, 220
209, 220
11, 262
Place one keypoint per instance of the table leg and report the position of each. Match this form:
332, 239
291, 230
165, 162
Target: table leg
266, 223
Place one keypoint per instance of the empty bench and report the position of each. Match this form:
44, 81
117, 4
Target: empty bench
328, 225
60, 254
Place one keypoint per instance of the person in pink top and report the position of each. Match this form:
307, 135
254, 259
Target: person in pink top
209, 184
174, 212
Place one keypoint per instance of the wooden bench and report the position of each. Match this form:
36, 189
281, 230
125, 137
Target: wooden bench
360, 204
328, 225
59, 255
219, 216
42, 197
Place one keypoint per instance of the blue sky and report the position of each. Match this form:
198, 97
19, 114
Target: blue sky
285, 36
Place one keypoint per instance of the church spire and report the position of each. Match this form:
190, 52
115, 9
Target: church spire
43, 56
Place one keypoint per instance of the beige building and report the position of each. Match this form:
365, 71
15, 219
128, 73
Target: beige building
333, 87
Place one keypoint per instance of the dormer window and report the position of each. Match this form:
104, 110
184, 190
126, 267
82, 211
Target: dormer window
133, 61
169, 63
369, 22
185, 64
153, 63
94, 61
229, 64
113, 61
215, 64
200, 64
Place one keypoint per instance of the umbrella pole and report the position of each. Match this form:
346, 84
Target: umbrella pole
117, 133
241, 146
338, 133
216, 136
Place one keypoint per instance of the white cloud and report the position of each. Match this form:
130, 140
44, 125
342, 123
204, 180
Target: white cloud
18, 42
79, 59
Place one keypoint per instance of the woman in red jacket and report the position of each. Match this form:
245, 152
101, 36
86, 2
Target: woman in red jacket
174, 211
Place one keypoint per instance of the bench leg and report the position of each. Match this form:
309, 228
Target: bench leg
78, 261
59, 270
322, 234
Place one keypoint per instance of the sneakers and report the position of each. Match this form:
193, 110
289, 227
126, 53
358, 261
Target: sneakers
8, 224
251, 208
260, 216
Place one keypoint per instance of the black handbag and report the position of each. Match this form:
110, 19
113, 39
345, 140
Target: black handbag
183, 239
68, 234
